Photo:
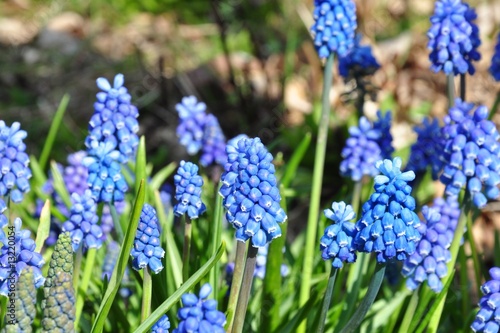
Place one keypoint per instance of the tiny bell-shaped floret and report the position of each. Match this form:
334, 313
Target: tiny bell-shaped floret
188, 185
488, 316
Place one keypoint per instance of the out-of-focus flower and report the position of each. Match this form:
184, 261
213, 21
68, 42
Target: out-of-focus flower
495, 61
113, 251
192, 122
188, 191
161, 326
214, 143
359, 62
383, 125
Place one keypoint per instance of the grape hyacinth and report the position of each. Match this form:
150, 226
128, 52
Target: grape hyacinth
114, 119
472, 153
428, 262
358, 63
214, 143
82, 223
147, 250
14, 163
488, 317
495, 61
250, 192
449, 211
334, 26
59, 313
61, 261
161, 326
361, 151
200, 314
112, 253
192, 122
11, 265
453, 38
383, 125
336, 243
388, 222
188, 191
25, 302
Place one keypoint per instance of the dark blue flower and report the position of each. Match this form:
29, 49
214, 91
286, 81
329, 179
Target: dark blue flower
250, 192
14, 162
188, 191
200, 314
388, 222
147, 249
114, 118
336, 243
161, 326
192, 123
334, 26
453, 38
361, 151
359, 62
488, 317
214, 143
383, 125
472, 153
495, 61
449, 211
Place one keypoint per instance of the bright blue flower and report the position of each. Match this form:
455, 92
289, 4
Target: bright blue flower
358, 63
334, 26
14, 162
112, 253
234, 141
147, 249
361, 151
82, 223
450, 212
250, 192
383, 125
188, 191
161, 326
427, 150
428, 262
115, 118
214, 143
388, 222
488, 317
24, 256
453, 38
495, 61
336, 243
192, 123
200, 314
472, 153
105, 179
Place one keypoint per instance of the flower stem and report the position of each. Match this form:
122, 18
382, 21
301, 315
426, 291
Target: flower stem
186, 249
317, 182
356, 197
147, 289
84, 283
77, 266
216, 232
450, 88
246, 287
327, 299
239, 266
363, 308
410, 311
462, 87
494, 108
116, 222
475, 256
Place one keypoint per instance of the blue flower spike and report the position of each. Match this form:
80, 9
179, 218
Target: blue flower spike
336, 243
359, 63
192, 122
495, 61
214, 143
383, 125
388, 222
161, 326
488, 318
188, 185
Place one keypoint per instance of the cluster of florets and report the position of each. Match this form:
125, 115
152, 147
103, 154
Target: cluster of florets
188, 191
336, 243
108, 265
428, 148
161, 326
473, 153
495, 61
488, 317
214, 143
388, 222
114, 119
383, 125
250, 192
82, 223
200, 314
449, 211
147, 249
453, 38
428, 262
358, 63
14, 170
334, 26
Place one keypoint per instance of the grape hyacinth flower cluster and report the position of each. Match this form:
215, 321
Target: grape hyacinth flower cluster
449, 211
147, 251
428, 262
336, 243
161, 326
495, 61
250, 192
361, 151
388, 222
188, 191
473, 153
82, 223
24, 256
453, 38
200, 314
112, 253
383, 125
59, 313
358, 63
488, 317
14, 163
334, 27
428, 148
214, 143
25, 302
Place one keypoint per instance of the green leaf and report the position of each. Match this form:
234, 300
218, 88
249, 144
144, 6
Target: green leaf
121, 264
295, 160
162, 175
300, 316
38, 174
188, 285
54, 128
140, 164
44, 227
59, 186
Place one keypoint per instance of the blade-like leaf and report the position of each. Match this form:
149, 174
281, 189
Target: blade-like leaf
44, 227
59, 186
140, 164
160, 177
295, 160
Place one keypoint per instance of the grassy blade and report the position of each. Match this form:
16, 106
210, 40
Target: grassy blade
301, 315
295, 160
44, 227
121, 264
189, 284
59, 186
54, 128
216, 239
38, 175
162, 175
140, 164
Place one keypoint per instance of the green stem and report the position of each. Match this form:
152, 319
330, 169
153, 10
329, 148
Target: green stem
327, 300
186, 248
239, 266
356, 197
475, 256
216, 233
450, 88
246, 287
363, 308
317, 182
77, 266
495, 106
116, 222
84, 283
361, 100
462, 87
147, 290
464, 282
410, 311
